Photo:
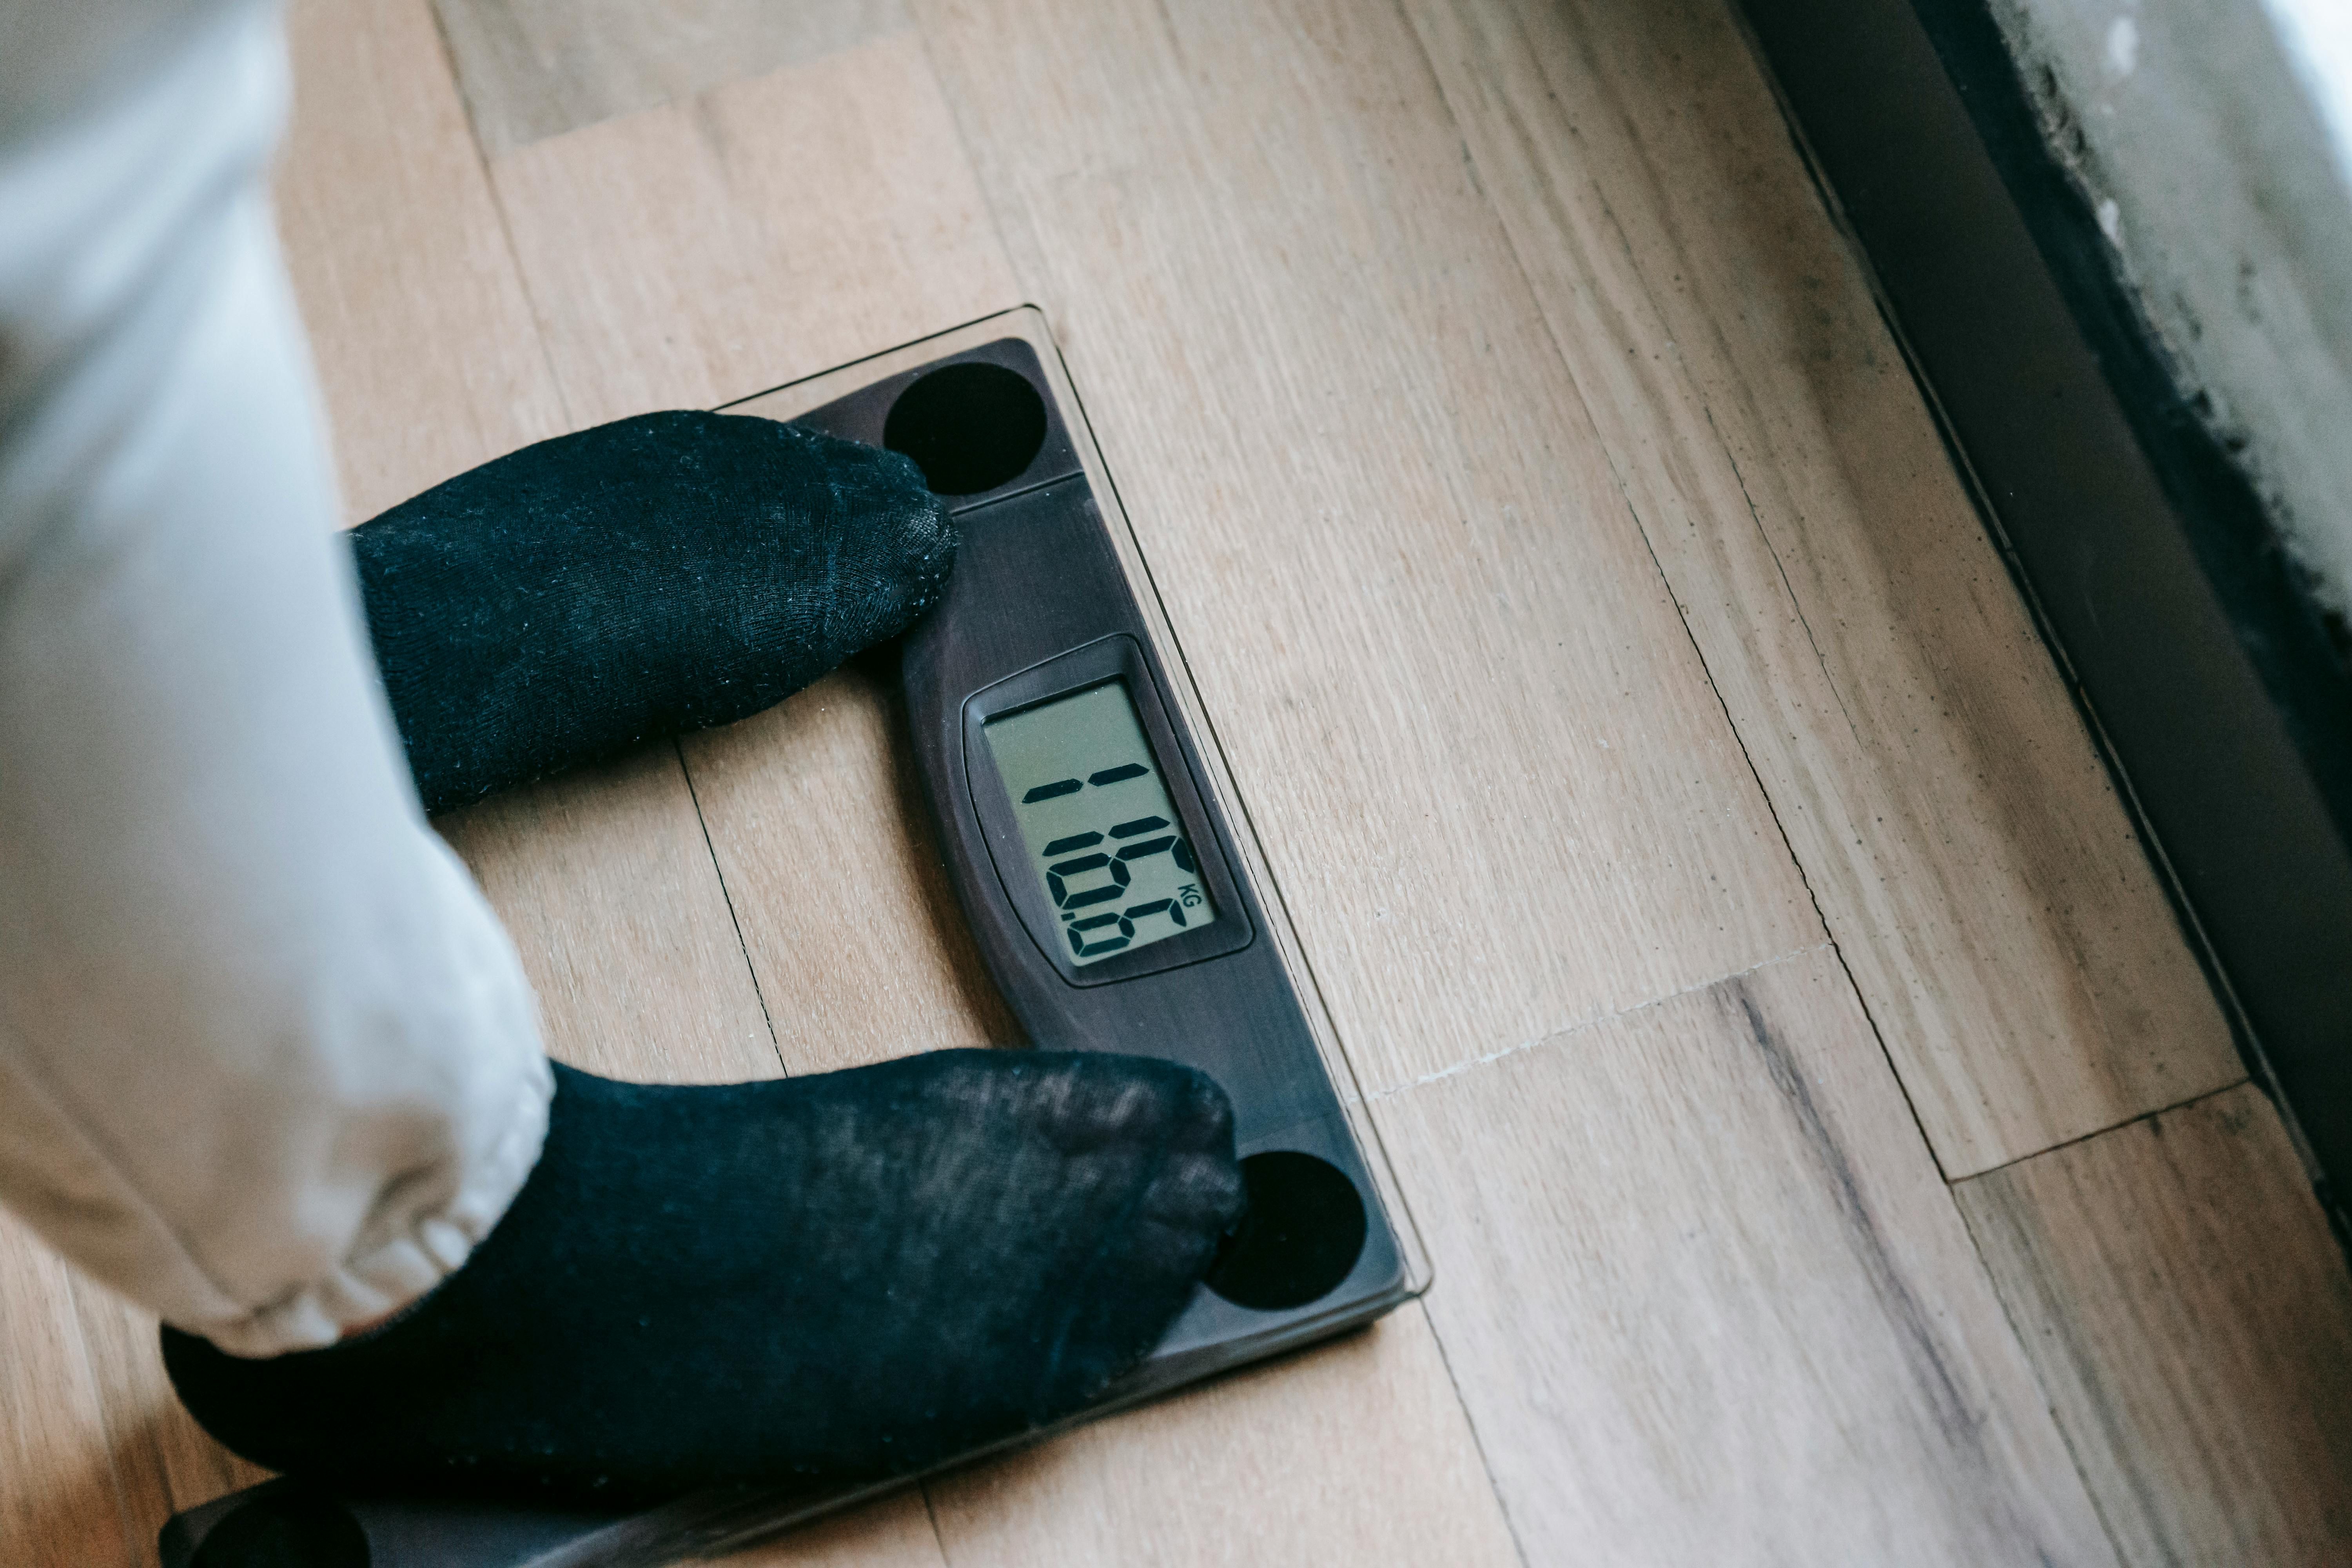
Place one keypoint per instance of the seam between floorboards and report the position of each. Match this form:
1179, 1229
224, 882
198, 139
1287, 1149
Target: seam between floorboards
2197, 1099
727, 896
1595, 1021
482, 161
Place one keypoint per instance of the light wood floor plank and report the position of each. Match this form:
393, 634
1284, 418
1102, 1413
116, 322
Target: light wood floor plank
605, 880
1916, 740
818, 822
2191, 1316
418, 324
59, 1503
534, 69
1494, 784
709, 249
1708, 1301
163, 1460
1353, 1456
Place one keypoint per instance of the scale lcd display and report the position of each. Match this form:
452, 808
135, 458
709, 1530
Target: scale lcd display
1102, 834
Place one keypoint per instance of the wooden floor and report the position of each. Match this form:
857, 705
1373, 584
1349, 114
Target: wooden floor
1829, 1149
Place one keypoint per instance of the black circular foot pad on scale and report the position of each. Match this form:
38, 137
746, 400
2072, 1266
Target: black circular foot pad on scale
970, 427
1301, 1237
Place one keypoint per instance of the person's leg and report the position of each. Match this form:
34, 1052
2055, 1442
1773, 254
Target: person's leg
266, 1061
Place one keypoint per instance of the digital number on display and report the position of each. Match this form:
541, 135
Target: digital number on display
1099, 824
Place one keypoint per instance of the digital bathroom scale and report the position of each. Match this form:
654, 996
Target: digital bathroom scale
1116, 894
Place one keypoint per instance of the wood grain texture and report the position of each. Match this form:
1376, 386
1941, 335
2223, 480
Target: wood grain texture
605, 881
710, 250
534, 69
418, 324
818, 824
1495, 786
163, 1461
61, 1506
1707, 1300
1919, 746
2191, 1314
1353, 1456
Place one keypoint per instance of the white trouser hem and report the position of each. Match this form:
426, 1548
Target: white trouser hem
267, 1063
393, 1275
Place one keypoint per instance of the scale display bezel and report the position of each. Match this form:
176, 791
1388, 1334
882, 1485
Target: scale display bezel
1118, 658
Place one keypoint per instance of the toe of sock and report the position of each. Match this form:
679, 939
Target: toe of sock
1186, 1193
667, 571
851, 1275
896, 565
819, 547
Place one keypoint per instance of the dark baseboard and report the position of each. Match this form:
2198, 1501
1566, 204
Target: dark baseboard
2220, 693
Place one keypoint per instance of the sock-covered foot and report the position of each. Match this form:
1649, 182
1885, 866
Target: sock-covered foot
836, 1278
661, 574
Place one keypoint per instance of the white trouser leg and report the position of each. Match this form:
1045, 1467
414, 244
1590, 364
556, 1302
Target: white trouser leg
267, 1063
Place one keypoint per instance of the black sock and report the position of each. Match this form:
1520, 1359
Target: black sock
836, 1279
664, 572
